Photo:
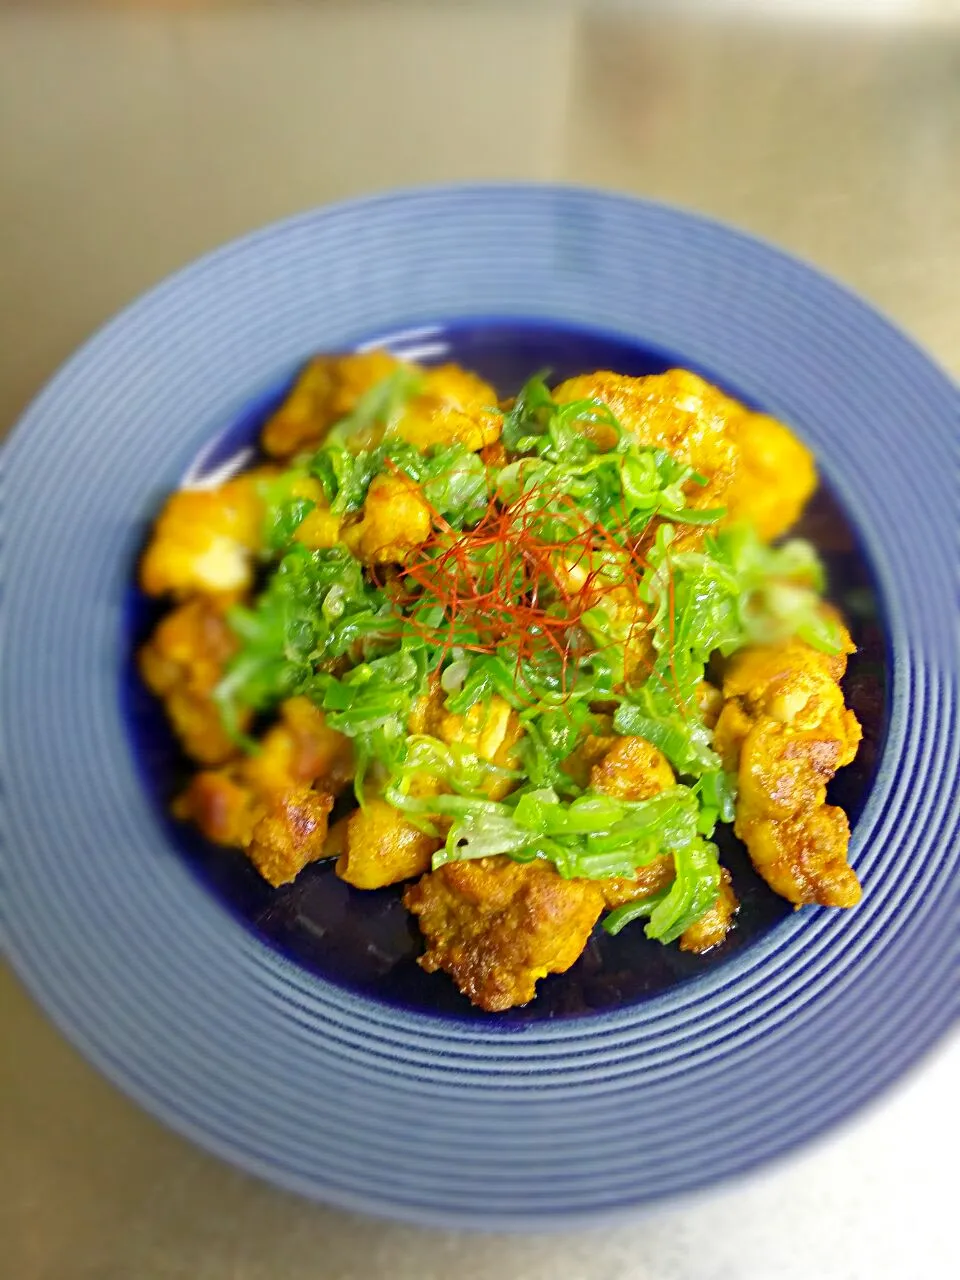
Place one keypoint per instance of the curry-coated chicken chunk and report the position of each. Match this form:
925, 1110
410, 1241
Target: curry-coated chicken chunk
589, 751
646, 880
752, 464
497, 926
452, 406
396, 520
804, 857
712, 927
445, 405
775, 477
274, 804
625, 634
785, 729
320, 528
633, 769
182, 663
204, 540
327, 389
383, 847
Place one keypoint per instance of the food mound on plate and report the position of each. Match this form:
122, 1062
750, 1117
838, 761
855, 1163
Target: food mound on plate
532, 652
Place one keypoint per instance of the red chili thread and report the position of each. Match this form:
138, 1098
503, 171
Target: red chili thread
491, 580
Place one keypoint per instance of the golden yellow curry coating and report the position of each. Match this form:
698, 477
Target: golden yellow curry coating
327, 389
785, 729
396, 521
204, 540
753, 465
633, 769
498, 926
451, 405
383, 847
274, 804
491, 731
320, 528
804, 857
182, 663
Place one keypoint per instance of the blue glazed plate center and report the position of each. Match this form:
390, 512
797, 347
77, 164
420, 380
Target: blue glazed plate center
366, 941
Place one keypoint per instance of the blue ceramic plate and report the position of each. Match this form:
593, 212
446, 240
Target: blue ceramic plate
291, 1031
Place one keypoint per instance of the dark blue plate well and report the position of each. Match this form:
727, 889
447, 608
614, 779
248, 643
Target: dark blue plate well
368, 941
264, 1026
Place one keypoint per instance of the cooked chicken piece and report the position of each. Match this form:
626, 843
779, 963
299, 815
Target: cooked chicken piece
327, 390
204, 540
427, 710
714, 925
453, 406
780, 679
396, 521
775, 478
784, 769
626, 633
494, 455
786, 730
319, 529
589, 751
733, 725
274, 804
290, 832
383, 847
752, 464
498, 926
280, 830
633, 769
656, 875
674, 411
302, 747
182, 663
804, 858
450, 405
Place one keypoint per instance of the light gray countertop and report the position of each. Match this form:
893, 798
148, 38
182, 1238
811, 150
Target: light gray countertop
132, 139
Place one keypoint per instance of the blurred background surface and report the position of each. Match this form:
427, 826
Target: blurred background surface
136, 135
